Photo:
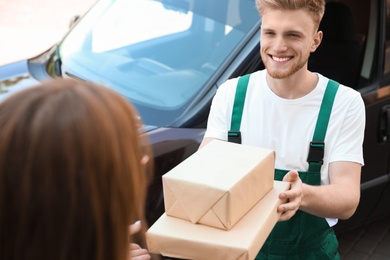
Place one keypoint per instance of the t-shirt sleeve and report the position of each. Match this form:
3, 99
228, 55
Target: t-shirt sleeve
349, 144
219, 119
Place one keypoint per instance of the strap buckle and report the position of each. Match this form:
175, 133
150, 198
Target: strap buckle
316, 152
234, 137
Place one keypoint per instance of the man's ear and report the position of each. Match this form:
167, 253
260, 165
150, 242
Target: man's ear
316, 41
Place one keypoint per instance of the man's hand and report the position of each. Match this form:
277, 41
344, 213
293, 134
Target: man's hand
294, 196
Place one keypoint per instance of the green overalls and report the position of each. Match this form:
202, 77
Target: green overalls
304, 236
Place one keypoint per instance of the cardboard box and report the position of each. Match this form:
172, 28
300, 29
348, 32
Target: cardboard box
174, 237
218, 184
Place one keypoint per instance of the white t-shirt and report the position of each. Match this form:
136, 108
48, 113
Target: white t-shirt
287, 125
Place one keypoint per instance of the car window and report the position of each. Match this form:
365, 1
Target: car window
159, 54
114, 24
343, 53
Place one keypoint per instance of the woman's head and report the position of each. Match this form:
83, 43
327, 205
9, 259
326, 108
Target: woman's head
315, 7
71, 177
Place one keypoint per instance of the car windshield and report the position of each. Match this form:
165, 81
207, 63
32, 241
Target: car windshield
160, 54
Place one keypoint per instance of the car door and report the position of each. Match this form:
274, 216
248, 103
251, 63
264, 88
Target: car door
374, 85
378, 114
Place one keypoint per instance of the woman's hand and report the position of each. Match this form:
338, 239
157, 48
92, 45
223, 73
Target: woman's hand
136, 252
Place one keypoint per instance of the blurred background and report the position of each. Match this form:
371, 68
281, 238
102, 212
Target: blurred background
29, 27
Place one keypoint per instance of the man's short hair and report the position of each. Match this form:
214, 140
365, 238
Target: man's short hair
315, 7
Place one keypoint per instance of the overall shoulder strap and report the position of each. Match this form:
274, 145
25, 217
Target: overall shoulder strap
234, 135
317, 145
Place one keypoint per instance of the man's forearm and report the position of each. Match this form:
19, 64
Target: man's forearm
330, 201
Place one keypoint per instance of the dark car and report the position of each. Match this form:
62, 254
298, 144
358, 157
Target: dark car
168, 57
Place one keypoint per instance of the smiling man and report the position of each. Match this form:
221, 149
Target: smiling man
314, 124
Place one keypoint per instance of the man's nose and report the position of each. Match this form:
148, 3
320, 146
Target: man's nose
280, 44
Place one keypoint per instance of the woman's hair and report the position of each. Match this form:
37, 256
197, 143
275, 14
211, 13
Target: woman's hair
71, 177
315, 7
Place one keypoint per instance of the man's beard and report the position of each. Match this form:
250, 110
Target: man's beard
284, 73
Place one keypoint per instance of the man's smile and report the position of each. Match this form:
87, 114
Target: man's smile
280, 59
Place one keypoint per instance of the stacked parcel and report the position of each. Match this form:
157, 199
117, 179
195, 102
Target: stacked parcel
220, 203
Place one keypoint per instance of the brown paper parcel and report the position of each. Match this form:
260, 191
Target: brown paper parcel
219, 183
174, 237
